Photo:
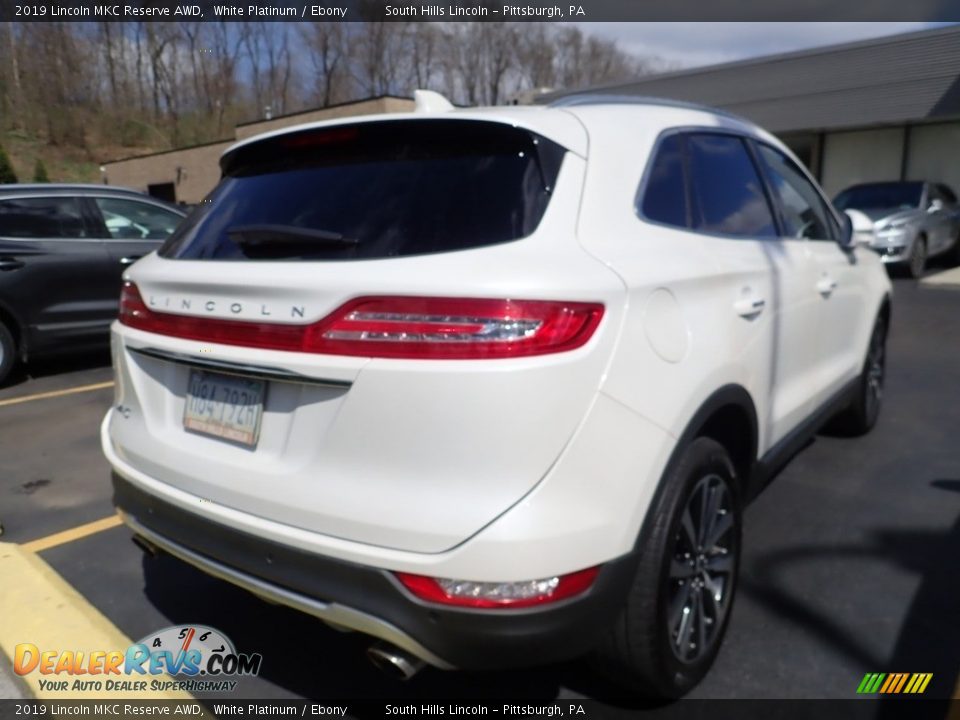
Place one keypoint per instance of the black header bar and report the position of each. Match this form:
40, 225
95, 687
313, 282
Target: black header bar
560, 11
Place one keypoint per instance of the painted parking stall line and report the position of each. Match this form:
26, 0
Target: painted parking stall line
56, 393
76, 533
39, 608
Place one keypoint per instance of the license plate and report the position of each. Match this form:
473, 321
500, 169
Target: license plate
224, 406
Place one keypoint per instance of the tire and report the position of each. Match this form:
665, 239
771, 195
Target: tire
860, 417
668, 633
918, 258
8, 352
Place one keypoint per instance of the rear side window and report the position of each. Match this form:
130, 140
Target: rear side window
665, 197
374, 190
48, 217
134, 220
727, 193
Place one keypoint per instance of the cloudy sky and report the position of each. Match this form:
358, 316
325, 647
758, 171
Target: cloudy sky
692, 44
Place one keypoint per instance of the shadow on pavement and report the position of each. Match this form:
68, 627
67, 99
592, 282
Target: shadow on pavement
929, 637
58, 365
929, 640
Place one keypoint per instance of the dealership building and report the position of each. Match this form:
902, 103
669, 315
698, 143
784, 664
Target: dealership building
883, 109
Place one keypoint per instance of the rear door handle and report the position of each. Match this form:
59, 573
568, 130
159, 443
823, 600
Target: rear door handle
9, 263
749, 306
826, 285
130, 259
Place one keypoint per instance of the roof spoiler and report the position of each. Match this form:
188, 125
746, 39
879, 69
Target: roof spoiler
428, 101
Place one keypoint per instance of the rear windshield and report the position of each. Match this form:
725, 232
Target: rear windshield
374, 190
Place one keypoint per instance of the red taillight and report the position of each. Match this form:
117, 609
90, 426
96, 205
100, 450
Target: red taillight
464, 593
395, 327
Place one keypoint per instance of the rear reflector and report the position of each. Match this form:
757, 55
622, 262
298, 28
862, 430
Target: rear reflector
465, 593
394, 327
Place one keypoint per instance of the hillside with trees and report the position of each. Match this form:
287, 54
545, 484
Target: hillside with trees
73, 95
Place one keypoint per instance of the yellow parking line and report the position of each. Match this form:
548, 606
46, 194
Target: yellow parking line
38, 606
81, 531
55, 393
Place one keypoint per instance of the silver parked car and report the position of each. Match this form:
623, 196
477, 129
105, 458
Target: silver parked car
913, 220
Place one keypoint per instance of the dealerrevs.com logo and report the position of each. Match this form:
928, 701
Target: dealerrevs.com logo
200, 658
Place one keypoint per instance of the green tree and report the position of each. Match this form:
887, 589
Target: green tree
40, 172
7, 175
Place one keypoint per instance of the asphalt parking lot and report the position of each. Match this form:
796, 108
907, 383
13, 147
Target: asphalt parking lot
850, 564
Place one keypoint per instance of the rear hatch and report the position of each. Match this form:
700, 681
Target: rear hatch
384, 331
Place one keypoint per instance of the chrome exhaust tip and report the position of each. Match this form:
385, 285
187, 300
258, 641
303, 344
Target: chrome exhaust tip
148, 547
393, 661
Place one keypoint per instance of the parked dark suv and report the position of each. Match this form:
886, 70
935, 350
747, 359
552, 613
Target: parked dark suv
63, 249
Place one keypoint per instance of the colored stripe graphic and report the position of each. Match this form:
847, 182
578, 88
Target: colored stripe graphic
891, 680
875, 685
894, 683
903, 680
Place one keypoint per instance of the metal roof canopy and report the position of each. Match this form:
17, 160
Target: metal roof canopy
908, 78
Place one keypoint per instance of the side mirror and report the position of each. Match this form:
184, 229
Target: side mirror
858, 229
935, 205
846, 233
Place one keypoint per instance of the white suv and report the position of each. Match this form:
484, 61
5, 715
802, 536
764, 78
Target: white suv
492, 386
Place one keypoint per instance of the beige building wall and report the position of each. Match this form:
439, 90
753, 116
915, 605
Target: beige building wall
858, 156
195, 171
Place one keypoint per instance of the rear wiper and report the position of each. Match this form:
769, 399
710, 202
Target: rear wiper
259, 235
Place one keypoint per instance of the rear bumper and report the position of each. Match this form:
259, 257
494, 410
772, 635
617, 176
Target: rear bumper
370, 600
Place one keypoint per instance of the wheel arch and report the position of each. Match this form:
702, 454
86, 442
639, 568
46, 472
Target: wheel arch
886, 310
13, 324
728, 416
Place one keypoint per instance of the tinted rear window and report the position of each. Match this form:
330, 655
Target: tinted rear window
46, 217
665, 200
374, 190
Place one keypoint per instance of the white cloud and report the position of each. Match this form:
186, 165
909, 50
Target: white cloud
695, 44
